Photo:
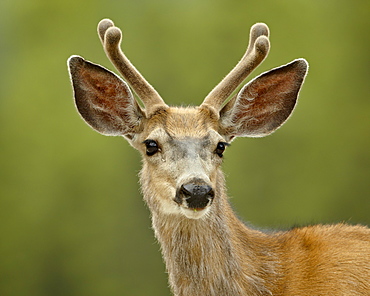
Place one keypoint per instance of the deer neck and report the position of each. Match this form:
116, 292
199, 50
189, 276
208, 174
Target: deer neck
213, 255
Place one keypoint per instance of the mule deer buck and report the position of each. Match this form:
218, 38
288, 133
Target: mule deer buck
207, 250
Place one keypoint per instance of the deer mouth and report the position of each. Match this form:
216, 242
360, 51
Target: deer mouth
192, 212
197, 209
195, 213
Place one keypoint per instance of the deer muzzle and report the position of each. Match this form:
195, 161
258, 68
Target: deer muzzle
195, 195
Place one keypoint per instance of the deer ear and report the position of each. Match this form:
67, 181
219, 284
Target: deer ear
265, 103
103, 99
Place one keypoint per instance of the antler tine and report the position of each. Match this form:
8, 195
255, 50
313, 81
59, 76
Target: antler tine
257, 50
103, 26
111, 37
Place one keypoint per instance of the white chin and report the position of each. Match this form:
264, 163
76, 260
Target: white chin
194, 214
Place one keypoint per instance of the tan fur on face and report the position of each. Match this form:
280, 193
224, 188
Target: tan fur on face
179, 121
182, 134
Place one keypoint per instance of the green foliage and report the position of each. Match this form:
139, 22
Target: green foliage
72, 221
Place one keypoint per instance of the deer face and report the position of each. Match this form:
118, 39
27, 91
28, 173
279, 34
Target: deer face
182, 147
182, 152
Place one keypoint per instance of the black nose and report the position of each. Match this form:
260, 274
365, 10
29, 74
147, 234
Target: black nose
197, 196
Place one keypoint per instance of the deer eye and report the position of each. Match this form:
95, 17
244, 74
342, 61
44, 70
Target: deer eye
151, 147
221, 146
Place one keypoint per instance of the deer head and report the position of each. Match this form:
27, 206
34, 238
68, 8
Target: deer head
182, 148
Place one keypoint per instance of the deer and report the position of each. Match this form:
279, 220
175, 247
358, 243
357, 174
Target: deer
206, 248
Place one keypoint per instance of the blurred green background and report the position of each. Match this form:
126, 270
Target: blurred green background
72, 220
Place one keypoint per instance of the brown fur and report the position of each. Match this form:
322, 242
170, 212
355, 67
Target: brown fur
219, 255
207, 250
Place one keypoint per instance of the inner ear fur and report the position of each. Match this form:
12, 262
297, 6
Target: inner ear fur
104, 100
265, 103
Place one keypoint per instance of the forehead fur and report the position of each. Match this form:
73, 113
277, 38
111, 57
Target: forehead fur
185, 122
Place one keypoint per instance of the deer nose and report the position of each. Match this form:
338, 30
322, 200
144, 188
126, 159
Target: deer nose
197, 196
